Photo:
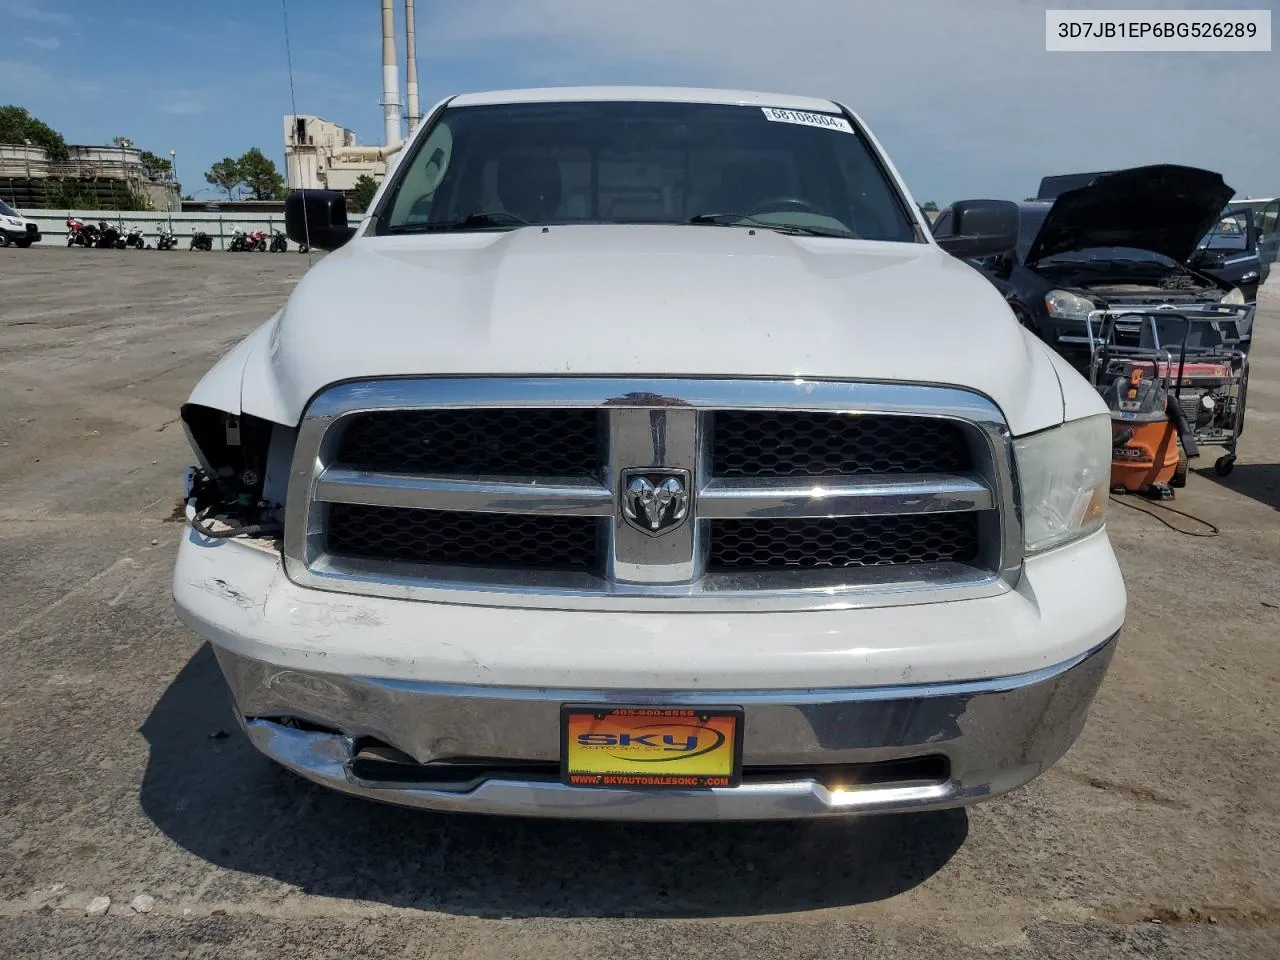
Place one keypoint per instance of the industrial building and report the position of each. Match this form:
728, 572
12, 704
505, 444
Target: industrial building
109, 177
318, 155
322, 155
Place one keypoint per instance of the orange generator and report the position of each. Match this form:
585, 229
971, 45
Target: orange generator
1147, 424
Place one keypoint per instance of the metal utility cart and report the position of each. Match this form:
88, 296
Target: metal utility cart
1201, 357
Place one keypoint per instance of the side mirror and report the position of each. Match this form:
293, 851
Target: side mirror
982, 228
317, 218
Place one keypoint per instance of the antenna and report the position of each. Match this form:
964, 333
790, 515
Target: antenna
293, 103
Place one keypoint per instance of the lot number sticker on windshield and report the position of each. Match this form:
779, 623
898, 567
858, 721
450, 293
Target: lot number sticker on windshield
824, 120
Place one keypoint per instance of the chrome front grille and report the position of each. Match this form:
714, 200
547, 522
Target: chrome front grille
760, 494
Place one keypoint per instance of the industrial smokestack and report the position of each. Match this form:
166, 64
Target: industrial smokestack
390, 75
411, 68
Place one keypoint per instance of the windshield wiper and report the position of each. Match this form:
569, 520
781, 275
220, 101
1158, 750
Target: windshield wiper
794, 229
472, 221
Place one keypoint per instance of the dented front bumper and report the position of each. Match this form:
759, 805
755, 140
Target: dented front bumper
807, 753
845, 711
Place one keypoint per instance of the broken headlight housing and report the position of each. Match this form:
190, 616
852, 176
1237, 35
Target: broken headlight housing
1064, 474
244, 466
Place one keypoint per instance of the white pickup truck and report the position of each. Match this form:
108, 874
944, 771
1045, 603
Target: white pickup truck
639, 454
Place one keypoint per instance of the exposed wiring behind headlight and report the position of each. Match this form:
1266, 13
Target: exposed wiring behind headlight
1064, 474
244, 463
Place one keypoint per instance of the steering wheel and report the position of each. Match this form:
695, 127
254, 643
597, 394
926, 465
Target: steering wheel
776, 204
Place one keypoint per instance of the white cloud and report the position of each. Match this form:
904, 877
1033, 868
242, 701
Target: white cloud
963, 94
181, 106
21, 80
34, 12
43, 43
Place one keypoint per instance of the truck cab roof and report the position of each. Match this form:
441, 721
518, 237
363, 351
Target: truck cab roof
644, 94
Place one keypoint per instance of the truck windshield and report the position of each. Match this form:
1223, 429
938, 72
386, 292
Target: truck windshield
7, 210
626, 162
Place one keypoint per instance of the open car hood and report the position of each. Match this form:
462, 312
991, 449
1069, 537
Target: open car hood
1166, 209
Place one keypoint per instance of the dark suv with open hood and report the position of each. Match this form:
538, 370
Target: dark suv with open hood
1123, 240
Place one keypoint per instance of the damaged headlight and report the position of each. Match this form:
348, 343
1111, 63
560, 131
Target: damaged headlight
1233, 299
1065, 305
1064, 474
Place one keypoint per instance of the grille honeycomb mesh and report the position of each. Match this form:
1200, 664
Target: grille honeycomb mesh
752, 443
847, 542
490, 540
562, 443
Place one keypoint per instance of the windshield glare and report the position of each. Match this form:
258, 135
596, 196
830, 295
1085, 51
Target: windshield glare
501, 166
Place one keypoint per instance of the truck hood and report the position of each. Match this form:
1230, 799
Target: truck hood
1166, 209
647, 301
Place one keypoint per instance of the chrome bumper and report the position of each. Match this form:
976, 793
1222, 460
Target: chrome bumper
995, 734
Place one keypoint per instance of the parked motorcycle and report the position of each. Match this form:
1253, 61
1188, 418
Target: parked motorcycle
201, 241
248, 242
165, 239
108, 237
79, 233
135, 239
279, 242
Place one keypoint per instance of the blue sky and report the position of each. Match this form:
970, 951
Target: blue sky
961, 92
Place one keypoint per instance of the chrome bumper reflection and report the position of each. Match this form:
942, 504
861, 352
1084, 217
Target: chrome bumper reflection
996, 734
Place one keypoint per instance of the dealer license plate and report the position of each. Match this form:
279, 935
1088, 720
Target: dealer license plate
647, 747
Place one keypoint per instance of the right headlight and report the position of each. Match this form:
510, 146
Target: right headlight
1065, 475
1236, 297
1066, 305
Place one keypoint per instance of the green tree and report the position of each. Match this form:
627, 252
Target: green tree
930, 207
259, 174
19, 126
158, 168
362, 193
226, 176
70, 195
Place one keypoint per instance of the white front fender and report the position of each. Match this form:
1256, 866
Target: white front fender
243, 381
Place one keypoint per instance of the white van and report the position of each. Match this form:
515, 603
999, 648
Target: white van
16, 229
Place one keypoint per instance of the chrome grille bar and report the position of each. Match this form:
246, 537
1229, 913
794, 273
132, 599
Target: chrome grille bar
860, 496
567, 497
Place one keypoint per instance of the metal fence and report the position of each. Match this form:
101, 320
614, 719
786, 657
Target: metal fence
219, 226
